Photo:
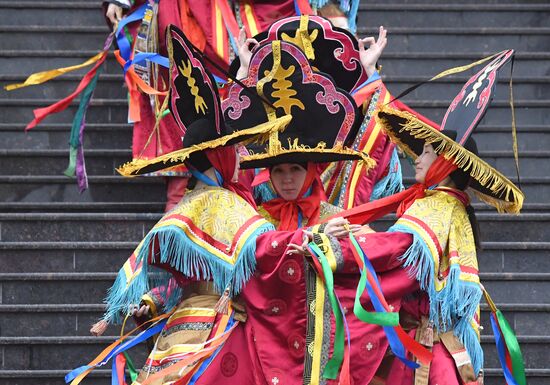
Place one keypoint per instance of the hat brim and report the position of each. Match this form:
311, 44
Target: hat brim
259, 133
299, 154
489, 185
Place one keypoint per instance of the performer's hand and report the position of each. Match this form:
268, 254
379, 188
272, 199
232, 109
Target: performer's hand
370, 56
245, 52
301, 249
340, 228
114, 14
140, 311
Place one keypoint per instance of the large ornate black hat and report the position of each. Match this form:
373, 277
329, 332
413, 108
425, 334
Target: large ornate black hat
329, 49
323, 116
463, 115
195, 104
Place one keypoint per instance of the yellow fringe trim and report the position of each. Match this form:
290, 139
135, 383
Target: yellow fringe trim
276, 149
480, 170
260, 134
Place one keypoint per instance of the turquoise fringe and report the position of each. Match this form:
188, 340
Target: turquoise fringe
451, 308
392, 183
181, 253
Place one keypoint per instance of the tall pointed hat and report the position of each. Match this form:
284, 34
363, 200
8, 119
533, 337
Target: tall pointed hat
324, 117
195, 104
329, 49
462, 117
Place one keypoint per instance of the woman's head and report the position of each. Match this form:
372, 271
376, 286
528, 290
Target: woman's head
288, 179
423, 163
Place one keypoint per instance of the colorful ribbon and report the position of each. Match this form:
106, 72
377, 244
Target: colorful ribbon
508, 350
340, 355
400, 342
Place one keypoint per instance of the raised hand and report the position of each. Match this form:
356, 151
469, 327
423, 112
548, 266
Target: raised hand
370, 55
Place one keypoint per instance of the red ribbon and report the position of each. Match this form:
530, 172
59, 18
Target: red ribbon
41, 113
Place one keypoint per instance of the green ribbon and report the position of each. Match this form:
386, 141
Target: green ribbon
74, 139
333, 365
376, 318
513, 348
131, 368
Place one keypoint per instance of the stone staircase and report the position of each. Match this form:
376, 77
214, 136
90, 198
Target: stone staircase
59, 250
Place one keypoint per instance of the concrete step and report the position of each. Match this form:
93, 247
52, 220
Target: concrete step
127, 227
107, 136
530, 111
104, 162
112, 86
99, 111
66, 353
92, 257
529, 162
78, 256
59, 288
492, 376
18, 61
35, 320
464, 15
51, 13
158, 207
523, 87
430, 63
115, 188
403, 38
411, 62
536, 190
62, 189
109, 86
124, 207
54, 162
119, 136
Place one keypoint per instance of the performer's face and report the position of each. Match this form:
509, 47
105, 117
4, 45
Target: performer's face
288, 179
423, 162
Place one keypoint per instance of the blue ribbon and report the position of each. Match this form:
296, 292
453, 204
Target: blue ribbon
122, 41
119, 349
207, 362
501, 351
395, 343
151, 56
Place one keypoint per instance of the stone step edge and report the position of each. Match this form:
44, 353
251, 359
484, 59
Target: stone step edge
34, 153
388, 78
158, 207
65, 340
123, 126
29, 29
65, 245
155, 216
362, 7
537, 55
101, 276
88, 308
26, 102
104, 373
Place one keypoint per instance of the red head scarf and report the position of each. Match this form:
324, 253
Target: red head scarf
400, 202
224, 159
286, 212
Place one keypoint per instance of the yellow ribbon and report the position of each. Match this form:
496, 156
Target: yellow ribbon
44, 76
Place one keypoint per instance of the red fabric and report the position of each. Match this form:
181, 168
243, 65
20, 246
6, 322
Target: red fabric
442, 368
224, 159
277, 306
286, 212
400, 202
41, 113
175, 189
